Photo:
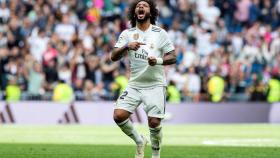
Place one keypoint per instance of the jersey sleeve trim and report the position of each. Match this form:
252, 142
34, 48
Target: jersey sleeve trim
156, 29
122, 40
132, 29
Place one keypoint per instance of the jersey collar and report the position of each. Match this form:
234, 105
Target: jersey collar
150, 27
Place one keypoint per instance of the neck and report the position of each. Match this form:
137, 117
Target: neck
143, 26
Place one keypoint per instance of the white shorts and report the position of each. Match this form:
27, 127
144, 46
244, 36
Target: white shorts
153, 100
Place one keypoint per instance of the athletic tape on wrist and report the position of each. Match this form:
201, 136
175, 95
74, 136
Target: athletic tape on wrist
159, 61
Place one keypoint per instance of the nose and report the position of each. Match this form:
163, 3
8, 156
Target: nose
140, 6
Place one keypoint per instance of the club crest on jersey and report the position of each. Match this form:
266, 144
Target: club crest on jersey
136, 36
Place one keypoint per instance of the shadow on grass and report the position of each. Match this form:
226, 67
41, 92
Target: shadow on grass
121, 151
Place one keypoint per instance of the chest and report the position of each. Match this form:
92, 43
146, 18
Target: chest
151, 47
149, 38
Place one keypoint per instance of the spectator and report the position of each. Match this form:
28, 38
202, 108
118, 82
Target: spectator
237, 44
173, 95
50, 54
89, 90
65, 30
52, 75
22, 77
192, 85
275, 45
190, 58
38, 43
3, 67
257, 89
15, 38
13, 91
72, 40
93, 69
107, 67
65, 73
266, 12
243, 10
273, 89
3, 39
63, 92
94, 93
120, 83
36, 80
216, 85
254, 11
78, 89
209, 15
4, 12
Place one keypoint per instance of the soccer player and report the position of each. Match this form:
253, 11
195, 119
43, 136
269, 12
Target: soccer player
149, 49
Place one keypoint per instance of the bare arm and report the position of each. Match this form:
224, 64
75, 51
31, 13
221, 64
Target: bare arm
118, 53
168, 59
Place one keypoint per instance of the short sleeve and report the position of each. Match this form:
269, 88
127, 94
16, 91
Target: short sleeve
166, 45
122, 40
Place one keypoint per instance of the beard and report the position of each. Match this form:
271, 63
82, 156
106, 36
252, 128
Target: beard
146, 17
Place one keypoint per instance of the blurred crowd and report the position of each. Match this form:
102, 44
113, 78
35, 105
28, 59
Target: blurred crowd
227, 50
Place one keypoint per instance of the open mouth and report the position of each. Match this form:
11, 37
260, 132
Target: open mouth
141, 14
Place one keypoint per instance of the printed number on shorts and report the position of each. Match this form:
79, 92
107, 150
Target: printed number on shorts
123, 95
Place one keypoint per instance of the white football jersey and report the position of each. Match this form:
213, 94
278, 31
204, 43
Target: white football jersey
157, 43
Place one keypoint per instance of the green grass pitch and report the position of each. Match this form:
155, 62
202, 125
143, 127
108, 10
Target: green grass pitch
180, 141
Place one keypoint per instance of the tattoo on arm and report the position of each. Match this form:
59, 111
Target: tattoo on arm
118, 53
169, 58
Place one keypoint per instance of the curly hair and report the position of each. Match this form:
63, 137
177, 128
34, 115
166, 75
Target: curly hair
153, 11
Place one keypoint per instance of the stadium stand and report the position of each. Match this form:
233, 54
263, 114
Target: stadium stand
46, 41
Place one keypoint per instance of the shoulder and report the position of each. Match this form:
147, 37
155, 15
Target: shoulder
131, 29
156, 29
161, 31
124, 33
128, 31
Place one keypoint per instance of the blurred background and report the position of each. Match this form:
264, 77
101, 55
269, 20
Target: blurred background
55, 68
227, 50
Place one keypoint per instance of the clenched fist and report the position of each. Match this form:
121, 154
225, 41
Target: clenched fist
152, 61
